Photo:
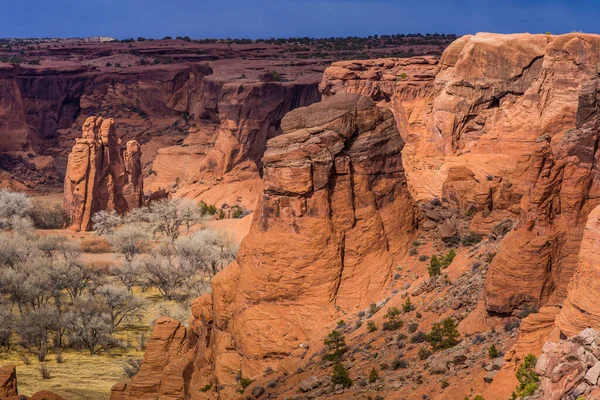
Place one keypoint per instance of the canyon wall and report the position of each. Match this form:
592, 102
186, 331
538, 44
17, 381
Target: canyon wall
198, 122
502, 128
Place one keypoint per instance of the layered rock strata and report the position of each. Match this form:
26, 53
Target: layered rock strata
334, 213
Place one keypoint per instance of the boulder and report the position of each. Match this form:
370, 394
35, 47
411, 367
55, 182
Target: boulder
309, 384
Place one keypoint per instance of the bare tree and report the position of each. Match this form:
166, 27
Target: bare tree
89, 324
169, 216
14, 204
7, 325
165, 273
129, 274
129, 240
105, 222
35, 328
122, 305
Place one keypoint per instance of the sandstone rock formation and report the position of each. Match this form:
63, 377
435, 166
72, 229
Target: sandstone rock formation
164, 368
334, 213
97, 178
8, 381
335, 192
503, 130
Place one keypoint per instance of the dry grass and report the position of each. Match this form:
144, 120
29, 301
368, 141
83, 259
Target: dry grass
79, 377
95, 245
82, 376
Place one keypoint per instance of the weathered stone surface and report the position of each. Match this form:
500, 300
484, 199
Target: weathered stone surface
97, 178
329, 243
164, 365
309, 384
8, 380
569, 367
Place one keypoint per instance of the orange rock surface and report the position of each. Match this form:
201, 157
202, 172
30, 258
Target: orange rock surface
97, 178
163, 365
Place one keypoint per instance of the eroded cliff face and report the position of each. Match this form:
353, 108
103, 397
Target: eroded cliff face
504, 128
198, 122
334, 213
97, 176
220, 159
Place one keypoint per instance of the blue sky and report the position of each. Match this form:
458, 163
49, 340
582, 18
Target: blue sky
284, 18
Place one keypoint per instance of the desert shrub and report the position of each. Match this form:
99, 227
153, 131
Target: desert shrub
478, 339
424, 353
237, 212
132, 367
443, 335
412, 327
95, 245
423, 257
511, 324
528, 310
373, 308
493, 351
336, 345
44, 372
276, 76
471, 238
408, 306
393, 322
399, 363
435, 267
340, 376
371, 326
392, 325
104, 222
448, 258
413, 251
435, 202
48, 216
206, 387
373, 375
14, 204
528, 379
418, 337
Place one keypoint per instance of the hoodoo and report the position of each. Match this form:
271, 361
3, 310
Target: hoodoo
99, 177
